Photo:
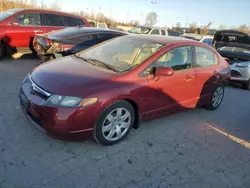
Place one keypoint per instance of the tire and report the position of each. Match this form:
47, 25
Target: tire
114, 124
219, 91
46, 58
246, 85
2, 50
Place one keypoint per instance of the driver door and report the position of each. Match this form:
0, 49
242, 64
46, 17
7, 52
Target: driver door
172, 93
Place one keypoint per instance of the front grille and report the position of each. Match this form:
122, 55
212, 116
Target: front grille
36, 90
235, 73
35, 119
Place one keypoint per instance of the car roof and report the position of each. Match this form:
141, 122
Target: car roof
160, 39
70, 32
154, 27
50, 11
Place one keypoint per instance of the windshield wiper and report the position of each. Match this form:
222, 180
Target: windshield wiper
82, 58
95, 62
103, 64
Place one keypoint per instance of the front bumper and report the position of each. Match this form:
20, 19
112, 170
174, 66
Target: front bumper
58, 122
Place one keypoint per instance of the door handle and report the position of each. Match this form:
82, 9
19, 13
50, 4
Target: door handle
38, 31
188, 78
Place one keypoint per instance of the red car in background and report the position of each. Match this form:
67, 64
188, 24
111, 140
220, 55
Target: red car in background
18, 27
107, 89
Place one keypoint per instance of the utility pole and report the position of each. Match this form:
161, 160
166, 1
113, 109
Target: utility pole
186, 24
153, 3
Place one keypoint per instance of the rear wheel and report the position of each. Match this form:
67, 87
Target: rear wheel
216, 98
46, 58
115, 123
246, 85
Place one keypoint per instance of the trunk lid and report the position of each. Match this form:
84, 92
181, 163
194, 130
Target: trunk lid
231, 38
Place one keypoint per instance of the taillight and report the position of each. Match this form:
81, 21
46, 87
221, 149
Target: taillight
66, 46
228, 72
48, 41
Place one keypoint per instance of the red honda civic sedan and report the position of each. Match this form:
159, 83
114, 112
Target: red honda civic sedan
104, 91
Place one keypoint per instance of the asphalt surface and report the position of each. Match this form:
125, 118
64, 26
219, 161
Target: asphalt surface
195, 148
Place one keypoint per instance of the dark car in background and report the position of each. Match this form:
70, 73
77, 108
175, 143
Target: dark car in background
70, 41
235, 47
19, 26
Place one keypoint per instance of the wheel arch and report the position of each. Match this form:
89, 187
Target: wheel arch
128, 99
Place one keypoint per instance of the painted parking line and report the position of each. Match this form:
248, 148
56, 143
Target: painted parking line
231, 137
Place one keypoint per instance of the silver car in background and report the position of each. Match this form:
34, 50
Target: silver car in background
234, 46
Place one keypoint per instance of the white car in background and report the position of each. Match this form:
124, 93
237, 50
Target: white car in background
149, 30
207, 39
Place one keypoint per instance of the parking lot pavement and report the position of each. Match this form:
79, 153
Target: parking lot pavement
195, 148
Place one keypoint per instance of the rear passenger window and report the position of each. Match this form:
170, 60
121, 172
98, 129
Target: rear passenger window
31, 19
53, 20
205, 57
163, 32
73, 21
155, 32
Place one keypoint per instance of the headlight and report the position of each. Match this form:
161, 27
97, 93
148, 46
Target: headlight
243, 64
68, 101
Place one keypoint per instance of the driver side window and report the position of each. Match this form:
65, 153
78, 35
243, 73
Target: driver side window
178, 58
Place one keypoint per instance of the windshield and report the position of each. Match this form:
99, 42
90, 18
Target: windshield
140, 30
122, 53
8, 13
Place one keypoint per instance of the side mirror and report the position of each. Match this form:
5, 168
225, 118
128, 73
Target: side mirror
14, 23
164, 71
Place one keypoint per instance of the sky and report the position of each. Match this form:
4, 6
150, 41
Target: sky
225, 12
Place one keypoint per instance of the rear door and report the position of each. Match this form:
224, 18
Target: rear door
29, 24
53, 22
206, 71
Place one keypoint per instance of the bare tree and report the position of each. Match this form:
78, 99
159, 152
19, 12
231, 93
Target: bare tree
244, 29
151, 18
55, 5
193, 27
205, 29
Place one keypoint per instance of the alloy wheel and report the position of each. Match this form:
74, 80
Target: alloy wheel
217, 97
116, 124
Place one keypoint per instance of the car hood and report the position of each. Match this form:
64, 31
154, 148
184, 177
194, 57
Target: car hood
70, 76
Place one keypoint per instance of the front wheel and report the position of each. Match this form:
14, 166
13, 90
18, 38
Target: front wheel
115, 123
246, 85
45, 58
216, 98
